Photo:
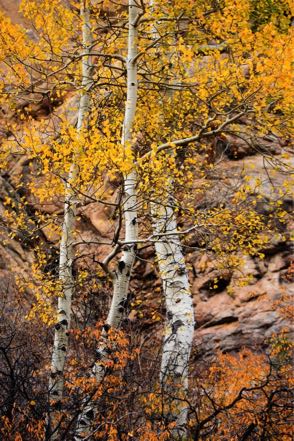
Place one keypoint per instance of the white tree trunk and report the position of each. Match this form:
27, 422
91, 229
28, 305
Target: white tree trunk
60, 345
123, 271
180, 322
122, 274
179, 328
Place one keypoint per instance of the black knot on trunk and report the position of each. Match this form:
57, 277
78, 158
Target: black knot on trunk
54, 392
176, 325
90, 414
106, 327
123, 303
98, 355
121, 266
181, 270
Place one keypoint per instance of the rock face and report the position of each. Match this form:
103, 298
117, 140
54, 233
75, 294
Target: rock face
249, 316
233, 316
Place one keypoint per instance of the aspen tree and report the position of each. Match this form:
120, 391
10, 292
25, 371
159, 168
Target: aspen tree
179, 327
61, 333
122, 274
202, 96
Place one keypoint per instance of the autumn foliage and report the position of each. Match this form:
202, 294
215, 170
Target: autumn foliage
209, 76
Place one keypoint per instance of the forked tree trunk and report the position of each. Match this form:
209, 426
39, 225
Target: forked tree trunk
60, 345
122, 274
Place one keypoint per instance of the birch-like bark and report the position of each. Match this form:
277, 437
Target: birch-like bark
179, 327
60, 345
122, 274
180, 322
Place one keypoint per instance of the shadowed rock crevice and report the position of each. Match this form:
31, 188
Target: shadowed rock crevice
220, 321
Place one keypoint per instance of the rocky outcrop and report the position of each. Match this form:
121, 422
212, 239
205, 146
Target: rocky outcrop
249, 315
231, 316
